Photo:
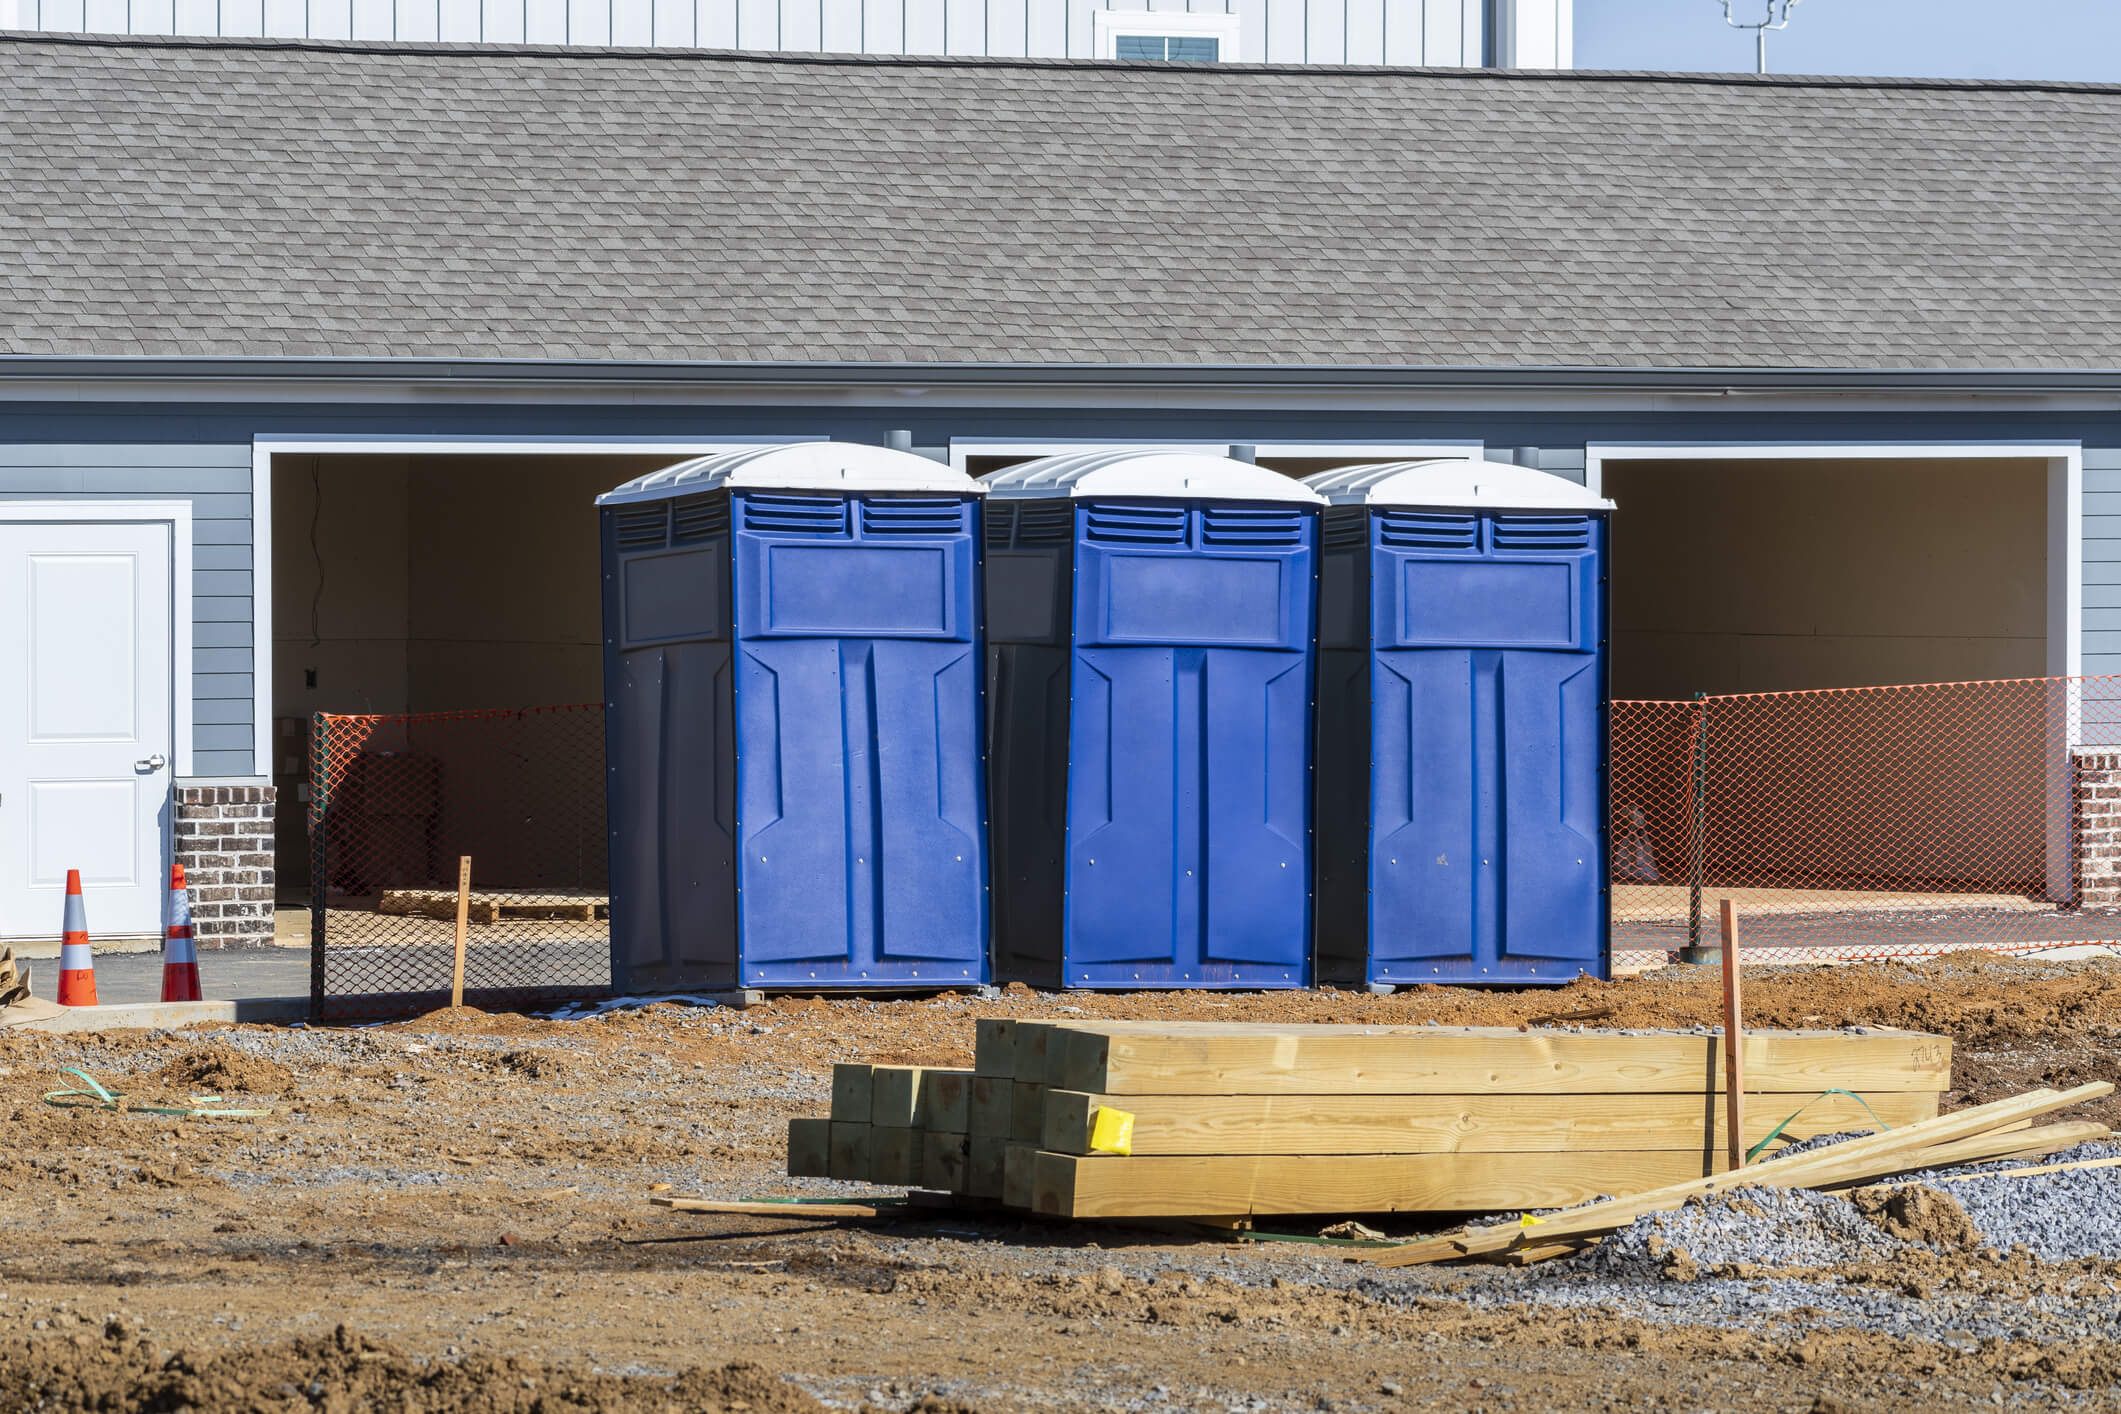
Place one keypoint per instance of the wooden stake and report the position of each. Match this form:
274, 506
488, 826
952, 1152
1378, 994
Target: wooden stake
456, 970
1733, 1039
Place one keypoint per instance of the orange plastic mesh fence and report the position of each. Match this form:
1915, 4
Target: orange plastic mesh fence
1869, 822
396, 801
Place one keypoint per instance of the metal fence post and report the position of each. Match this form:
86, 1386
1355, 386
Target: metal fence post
319, 861
1698, 834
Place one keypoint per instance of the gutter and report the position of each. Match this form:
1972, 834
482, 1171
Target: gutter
1136, 377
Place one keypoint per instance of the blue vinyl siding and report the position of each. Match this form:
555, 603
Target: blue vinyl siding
2102, 560
216, 480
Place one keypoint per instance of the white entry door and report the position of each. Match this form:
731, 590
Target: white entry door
86, 723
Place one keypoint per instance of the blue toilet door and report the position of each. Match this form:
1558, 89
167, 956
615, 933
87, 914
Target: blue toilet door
1487, 749
860, 780
1188, 856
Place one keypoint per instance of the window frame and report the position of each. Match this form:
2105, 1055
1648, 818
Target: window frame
1108, 26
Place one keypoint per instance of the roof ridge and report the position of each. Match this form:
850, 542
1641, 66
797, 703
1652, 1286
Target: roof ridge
672, 54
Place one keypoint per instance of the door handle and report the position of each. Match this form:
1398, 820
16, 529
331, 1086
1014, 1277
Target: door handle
153, 763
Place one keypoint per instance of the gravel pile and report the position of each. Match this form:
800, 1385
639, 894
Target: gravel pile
1763, 1227
2057, 1216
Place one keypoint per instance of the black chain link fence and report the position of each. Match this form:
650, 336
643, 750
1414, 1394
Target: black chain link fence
397, 802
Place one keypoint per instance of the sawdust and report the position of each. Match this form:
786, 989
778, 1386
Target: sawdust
1916, 1212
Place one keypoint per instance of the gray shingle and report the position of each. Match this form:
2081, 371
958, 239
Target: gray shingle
168, 198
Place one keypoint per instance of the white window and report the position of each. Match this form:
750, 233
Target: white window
1157, 34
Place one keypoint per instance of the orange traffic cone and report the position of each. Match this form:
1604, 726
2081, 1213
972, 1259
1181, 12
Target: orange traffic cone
180, 960
77, 965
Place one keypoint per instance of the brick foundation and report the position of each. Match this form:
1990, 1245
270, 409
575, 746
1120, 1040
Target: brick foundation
2095, 790
225, 843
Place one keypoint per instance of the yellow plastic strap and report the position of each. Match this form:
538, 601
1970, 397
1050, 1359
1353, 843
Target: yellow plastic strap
1111, 1131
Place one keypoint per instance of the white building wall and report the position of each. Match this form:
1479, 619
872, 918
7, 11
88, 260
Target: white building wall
1529, 33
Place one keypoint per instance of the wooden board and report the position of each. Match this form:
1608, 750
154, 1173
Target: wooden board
991, 1105
1245, 1058
493, 907
983, 1171
896, 1155
1020, 1174
1443, 1124
810, 1148
1027, 1112
1107, 1186
945, 1159
894, 1095
853, 1093
945, 1101
994, 1047
850, 1152
813, 1212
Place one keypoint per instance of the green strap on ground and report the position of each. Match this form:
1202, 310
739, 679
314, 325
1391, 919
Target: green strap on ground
96, 1097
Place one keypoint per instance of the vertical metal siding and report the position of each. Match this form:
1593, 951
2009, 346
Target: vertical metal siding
216, 481
1447, 32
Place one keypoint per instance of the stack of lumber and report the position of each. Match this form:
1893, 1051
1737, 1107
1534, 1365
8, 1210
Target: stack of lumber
897, 1124
1244, 1119
1228, 1121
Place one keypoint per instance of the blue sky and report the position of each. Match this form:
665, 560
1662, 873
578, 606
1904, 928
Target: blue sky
2031, 39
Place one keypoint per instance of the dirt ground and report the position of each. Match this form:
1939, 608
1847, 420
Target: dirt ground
450, 1214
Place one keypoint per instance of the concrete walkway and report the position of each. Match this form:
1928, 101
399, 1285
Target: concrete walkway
234, 972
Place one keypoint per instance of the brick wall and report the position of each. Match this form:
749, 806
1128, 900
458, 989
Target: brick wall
225, 843
2097, 793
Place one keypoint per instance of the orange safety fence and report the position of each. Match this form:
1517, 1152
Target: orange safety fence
1869, 822
397, 800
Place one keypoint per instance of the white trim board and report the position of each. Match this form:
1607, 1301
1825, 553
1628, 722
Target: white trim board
265, 446
177, 516
963, 449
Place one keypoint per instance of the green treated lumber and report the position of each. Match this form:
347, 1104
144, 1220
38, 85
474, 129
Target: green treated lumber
894, 1095
991, 1105
809, 1148
897, 1155
1020, 1175
984, 1166
945, 1161
994, 1047
850, 1154
853, 1092
945, 1101
1027, 1112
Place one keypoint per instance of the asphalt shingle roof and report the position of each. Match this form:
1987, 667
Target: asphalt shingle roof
226, 199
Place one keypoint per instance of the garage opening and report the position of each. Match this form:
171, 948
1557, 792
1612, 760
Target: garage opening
448, 608
1882, 762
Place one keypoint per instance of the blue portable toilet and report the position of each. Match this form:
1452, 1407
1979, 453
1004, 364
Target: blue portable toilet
1462, 704
793, 724
1149, 672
